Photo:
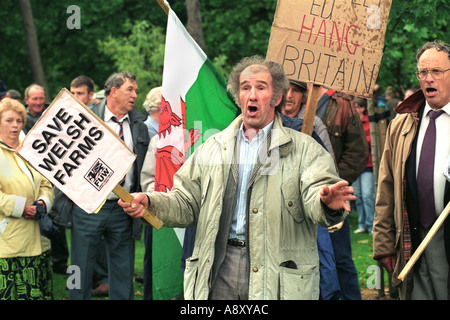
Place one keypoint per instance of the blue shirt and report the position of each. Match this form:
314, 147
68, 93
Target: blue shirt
152, 126
248, 154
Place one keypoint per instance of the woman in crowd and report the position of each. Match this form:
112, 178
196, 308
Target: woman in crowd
364, 187
25, 270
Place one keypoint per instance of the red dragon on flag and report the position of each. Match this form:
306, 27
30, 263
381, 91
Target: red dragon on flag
168, 158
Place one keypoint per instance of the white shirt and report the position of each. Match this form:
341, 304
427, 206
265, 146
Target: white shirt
442, 151
127, 138
248, 154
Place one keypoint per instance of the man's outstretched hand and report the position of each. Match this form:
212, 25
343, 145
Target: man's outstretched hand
336, 196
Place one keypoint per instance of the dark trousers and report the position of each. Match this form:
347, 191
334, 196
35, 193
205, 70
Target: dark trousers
148, 274
346, 271
60, 251
112, 226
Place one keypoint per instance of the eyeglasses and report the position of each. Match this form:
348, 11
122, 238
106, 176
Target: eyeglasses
436, 74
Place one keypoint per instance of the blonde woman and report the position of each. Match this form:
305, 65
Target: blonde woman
25, 271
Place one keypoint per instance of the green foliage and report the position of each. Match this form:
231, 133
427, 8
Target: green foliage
237, 28
220, 62
67, 53
141, 53
410, 25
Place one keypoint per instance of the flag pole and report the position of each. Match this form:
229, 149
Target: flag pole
148, 216
164, 5
311, 106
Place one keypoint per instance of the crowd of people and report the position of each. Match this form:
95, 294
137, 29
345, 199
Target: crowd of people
264, 229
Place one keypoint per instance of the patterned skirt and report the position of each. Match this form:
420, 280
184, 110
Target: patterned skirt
26, 278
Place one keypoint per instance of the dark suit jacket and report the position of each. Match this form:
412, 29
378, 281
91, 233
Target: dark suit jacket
412, 198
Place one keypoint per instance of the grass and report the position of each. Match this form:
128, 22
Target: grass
362, 246
362, 251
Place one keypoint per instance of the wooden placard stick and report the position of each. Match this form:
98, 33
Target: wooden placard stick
148, 216
311, 106
437, 224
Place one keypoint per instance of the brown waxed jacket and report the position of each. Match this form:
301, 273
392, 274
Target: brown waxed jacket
347, 138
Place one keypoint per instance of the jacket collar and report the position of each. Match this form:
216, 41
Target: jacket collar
99, 110
280, 135
4, 145
412, 103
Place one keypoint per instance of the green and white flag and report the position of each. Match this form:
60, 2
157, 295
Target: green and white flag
194, 105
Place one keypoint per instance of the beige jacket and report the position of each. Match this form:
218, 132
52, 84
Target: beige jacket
283, 210
149, 166
20, 185
391, 229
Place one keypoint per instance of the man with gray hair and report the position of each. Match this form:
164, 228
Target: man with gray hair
255, 191
110, 224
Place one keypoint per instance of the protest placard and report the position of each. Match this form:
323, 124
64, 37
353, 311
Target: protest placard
334, 43
78, 153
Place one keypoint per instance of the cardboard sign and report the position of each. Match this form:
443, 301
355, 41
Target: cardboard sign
334, 43
77, 152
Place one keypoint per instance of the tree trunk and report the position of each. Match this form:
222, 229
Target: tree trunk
194, 22
32, 44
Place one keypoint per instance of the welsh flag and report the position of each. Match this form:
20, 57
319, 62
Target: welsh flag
194, 105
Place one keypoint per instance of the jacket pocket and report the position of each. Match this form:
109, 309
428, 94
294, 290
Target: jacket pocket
299, 284
292, 201
190, 278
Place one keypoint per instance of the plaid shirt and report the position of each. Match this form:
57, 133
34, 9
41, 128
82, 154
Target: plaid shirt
406, 232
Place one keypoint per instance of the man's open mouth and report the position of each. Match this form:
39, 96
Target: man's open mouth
431, 90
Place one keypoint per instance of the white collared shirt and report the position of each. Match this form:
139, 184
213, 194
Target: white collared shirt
128, 139
442, 151
248, 154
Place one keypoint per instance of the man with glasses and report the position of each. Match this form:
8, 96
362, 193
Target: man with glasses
411, 193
